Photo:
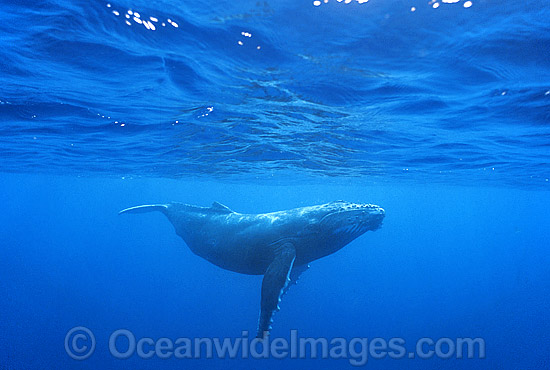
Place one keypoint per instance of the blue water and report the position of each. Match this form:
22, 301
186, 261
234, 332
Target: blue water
437, 111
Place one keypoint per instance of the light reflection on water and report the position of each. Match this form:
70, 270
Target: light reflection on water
433, 3
147, 22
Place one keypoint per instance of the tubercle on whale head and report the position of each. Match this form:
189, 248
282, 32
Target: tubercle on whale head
351, 219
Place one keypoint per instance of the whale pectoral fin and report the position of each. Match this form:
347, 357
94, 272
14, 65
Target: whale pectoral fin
295, 274
275, 279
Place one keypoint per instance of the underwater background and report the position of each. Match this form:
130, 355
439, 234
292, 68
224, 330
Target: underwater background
438, 111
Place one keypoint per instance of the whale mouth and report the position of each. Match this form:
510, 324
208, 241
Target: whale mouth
354, 229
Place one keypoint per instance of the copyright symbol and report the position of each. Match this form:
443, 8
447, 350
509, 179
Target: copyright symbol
79, 343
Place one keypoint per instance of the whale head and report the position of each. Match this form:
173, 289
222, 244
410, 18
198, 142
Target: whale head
341, 222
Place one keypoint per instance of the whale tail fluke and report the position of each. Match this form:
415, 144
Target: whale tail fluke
145, 208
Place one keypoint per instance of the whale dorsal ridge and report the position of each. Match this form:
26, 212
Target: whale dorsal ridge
220, 207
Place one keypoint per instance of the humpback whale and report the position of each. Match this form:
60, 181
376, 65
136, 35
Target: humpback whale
279, 245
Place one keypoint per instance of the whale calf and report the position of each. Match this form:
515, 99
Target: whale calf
278, 245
